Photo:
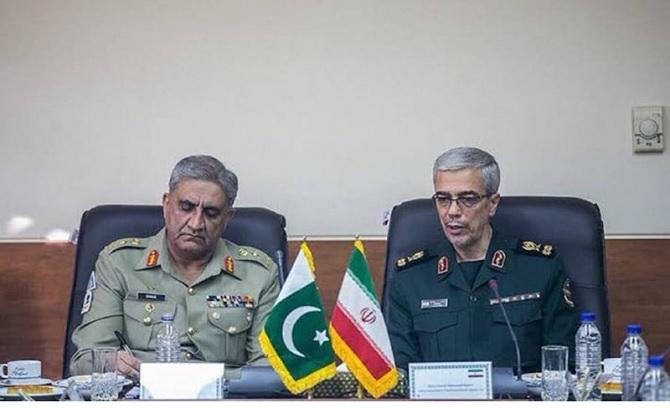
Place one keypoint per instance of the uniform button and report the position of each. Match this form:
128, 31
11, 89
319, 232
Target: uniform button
232, 329
216, 316
147, 321
188, 355
190, 330
191, 291
473, 299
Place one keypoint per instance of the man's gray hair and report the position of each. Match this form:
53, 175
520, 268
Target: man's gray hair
470, 158
205, 168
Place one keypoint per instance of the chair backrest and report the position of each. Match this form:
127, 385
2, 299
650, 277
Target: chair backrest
257, 227
572, 225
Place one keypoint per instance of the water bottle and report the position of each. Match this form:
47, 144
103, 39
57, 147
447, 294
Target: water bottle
655, 383
588, 357
167, 341
634, 354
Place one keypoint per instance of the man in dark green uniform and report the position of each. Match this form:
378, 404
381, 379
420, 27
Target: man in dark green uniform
442, 305
218, 292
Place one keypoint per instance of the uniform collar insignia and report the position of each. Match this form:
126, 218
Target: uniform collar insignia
229, 264
154, 254
443, 265
498, 259
152, 258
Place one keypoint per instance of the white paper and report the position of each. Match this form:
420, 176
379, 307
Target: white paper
453, 380
181, 381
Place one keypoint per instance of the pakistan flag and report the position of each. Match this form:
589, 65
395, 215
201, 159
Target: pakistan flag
295, 336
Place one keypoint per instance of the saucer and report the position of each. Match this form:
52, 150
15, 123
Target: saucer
25, 381
49, 393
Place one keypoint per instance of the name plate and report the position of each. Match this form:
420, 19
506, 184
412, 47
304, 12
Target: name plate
177, 381
453, 380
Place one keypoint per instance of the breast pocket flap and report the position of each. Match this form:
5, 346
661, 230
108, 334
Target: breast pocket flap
434, 321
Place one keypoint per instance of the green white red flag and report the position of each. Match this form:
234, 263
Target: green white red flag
358, 330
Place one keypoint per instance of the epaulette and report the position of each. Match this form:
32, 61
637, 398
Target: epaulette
535, 249
247, 253
125, 243
413, 259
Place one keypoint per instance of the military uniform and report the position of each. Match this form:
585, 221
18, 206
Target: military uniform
219, 316
437, 316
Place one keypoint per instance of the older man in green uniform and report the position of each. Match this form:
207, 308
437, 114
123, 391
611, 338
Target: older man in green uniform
443, 308
218, 292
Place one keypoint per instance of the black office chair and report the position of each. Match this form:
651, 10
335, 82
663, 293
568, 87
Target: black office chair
572, 225
257, 227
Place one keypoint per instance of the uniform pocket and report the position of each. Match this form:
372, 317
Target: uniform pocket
519, 313
142, 320
233, 325
526, 320
436, 331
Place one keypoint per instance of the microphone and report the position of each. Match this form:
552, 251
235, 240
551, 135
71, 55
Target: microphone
280, 266
493, 284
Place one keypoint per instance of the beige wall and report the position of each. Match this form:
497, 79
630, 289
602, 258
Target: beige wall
329, 111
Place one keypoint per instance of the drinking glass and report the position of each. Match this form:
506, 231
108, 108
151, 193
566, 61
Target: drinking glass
554, 373
104, 383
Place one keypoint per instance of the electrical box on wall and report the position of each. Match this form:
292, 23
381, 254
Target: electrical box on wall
648, 129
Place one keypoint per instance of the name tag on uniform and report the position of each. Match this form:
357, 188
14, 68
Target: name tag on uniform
516, 298
157, 297
434, 303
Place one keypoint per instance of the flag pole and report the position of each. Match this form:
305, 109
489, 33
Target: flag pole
359, 391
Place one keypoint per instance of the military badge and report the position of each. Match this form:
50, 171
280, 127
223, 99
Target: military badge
88, 296
533, 248
530, 246
515, 298
442, 265
152, 258
567, 293
229, 264
230, 301
92, 284
498, 259
409, 260
88, 299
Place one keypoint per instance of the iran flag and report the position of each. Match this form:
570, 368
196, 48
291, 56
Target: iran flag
357, 329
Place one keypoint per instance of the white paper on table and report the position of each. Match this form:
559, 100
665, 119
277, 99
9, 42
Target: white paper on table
181, 380
452, 380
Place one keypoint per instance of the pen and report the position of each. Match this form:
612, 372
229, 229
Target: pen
124, 343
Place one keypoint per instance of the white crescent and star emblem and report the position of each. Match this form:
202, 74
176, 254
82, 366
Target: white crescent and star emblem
289, 324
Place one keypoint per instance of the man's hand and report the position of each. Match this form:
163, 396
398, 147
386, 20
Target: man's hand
128, 365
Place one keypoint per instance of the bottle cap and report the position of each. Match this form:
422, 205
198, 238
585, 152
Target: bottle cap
167, 317
588, 317
634, 329
656, 361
